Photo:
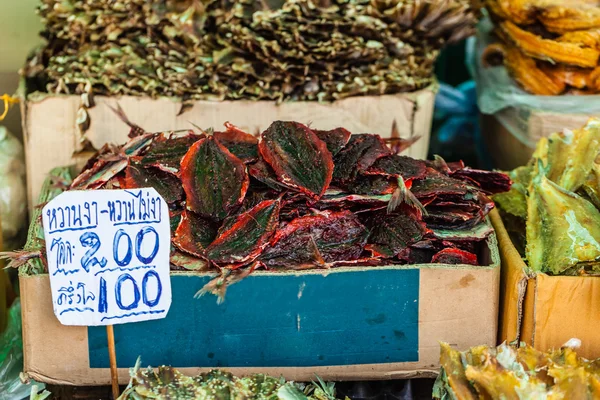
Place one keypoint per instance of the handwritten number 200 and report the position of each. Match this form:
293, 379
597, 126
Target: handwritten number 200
91, 240
139, 239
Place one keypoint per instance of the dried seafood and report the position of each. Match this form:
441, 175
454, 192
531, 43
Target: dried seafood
509, 372
241, 49
552, 47
294, 205
556, 194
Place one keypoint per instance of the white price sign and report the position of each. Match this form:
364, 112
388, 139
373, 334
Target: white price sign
108, 256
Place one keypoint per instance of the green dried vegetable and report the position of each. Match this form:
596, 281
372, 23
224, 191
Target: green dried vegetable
168, 383
241, 49
555, 198
563, 230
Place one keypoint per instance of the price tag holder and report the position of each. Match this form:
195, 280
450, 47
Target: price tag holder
108, 256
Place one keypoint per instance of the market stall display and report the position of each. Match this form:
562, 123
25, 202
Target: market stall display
548, 46
252, 202
359, 64
300, 198
516, 372
551, 213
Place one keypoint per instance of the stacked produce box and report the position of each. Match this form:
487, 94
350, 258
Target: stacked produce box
551, 213
537, 71
406, 241
358, 64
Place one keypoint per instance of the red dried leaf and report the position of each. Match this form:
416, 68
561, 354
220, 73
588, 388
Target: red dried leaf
436, 183
299, 158
194, 233
246, 236
166, 184
313, 239
103, 169
395, 165
490, 181
215, 181
357, 156
393, 233
454, 256
241, 144
262, 172
167, 151
97, 176
335, 139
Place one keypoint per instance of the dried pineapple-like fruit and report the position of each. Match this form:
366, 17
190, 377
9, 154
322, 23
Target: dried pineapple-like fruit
571, 76
526, 72
589, 38
573, 17
549, 50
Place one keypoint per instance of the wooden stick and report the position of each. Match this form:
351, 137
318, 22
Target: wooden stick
112, 355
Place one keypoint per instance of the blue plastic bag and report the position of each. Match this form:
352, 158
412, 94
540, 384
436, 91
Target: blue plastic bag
456, 117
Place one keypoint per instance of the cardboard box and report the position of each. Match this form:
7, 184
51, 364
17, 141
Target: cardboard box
513, 133
52, 139
342, 324
545, 311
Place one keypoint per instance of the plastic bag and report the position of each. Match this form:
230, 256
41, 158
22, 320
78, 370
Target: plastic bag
13, 196
457, 134
11, 358
497, 90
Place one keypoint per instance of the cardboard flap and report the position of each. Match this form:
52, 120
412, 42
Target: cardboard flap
567, 307
513, 281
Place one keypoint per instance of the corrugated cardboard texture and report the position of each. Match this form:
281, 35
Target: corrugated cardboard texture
456, 305
513, 282
51, 137
552, 310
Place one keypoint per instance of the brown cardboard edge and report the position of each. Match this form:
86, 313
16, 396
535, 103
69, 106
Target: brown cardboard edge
567, 307
300, 374
473, 284
529, 313
39, 322
513, 283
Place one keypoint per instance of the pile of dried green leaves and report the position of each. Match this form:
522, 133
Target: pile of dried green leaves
553, 208
244, 49
168, 383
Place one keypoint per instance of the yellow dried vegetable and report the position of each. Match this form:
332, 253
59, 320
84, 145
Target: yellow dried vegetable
550, 50
517, 373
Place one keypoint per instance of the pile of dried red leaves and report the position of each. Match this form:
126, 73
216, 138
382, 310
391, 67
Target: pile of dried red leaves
302, 198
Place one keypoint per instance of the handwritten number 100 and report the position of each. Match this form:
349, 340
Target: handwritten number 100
139, 239
103, 303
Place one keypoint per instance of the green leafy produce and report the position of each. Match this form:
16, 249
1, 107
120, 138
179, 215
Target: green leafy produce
168, 383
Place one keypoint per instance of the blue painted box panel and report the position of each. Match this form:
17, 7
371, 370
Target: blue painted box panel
347, 317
